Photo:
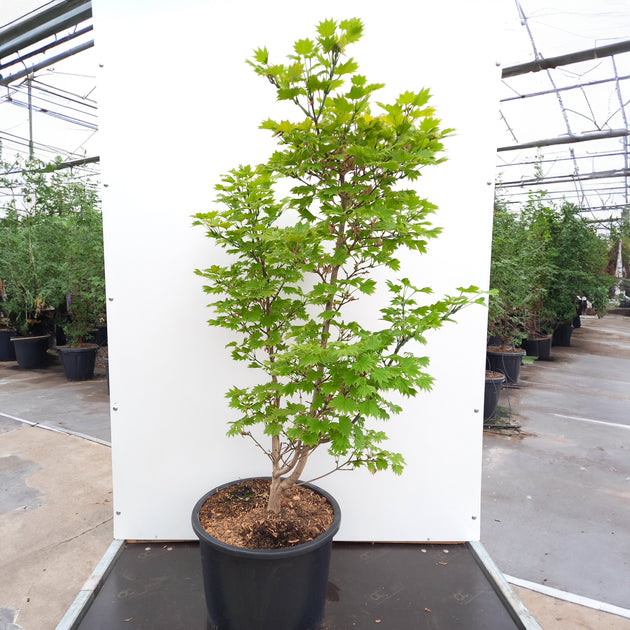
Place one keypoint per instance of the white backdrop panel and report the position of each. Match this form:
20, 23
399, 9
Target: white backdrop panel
179, 106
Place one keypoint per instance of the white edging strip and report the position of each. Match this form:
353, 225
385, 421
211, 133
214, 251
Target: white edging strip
510, 599
57, 429
79, 607
608, 424
569, 597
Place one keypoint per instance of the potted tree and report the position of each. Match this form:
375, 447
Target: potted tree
7, 353
78, 356
537, 326
579, 256
31, 268
298, 267
33, 235
510, 288
493, 384
537, 218
86, 291
50, 220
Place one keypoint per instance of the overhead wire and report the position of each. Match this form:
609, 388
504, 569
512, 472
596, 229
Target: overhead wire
562, 159
21, 17
584, 196
625, 122
68, 107
53, 114
558, 95
63, 94
44, 148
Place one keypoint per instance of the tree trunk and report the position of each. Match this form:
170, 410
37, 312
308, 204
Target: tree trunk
275, 496
278, 484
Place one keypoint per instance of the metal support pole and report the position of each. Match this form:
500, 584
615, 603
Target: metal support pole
31, 150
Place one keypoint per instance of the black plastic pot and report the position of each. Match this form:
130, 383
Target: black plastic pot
562, 335
508, 363
78, 363
106, 362
30, 352
60, 336
265, 589
100, 335
7, 353
540, 348
491, 394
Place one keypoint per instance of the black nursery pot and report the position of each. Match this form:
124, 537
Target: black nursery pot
508, 363
100, 335
7, 353
491, 394
540, 348
265, 589
30, 352
78, 363
562, 334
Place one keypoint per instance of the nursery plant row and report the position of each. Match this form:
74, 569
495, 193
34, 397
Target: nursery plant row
52, 271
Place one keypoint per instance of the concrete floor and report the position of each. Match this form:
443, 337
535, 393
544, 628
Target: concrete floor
46, 397
556, 498
552, 497
55, 492
55, 520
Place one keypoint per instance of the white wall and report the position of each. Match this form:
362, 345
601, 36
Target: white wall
179, 106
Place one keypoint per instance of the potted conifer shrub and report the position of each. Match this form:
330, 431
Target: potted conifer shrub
298, 266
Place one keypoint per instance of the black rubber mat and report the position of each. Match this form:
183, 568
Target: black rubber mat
376, 586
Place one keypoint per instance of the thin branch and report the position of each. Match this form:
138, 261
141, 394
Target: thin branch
334, 470
258, 444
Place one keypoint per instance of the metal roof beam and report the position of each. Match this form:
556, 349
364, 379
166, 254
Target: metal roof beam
46, 62
48, 46
564, 89
36, 27
569, 139
563, 60
563, 179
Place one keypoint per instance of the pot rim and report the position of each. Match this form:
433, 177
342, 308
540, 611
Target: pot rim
492, 379
266, 554
514, 352
84, 348
37, 337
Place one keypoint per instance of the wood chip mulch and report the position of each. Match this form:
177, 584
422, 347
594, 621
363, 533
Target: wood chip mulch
238, 516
